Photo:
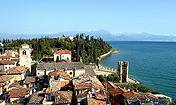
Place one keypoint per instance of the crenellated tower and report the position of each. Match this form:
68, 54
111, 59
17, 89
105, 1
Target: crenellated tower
123, 71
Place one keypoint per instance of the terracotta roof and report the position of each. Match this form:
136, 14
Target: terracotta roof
82, 86
24, 44
7, 62
29, 79
16, 70
142, 96
3, 79
1, 85
15, 85
92, 101
36, 98
5, 57
63, 52
66, 97
124, 90
81, 79
81, 95
128, 94
64, 60
19, 93
60, 66
115, 92
60, 73
112, 84
64, 84
98, 86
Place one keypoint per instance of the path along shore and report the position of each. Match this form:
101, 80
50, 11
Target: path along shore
104, 55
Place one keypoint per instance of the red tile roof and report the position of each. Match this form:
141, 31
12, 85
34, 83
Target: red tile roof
112, 84
92, 101
61, 73
64, 84
82, 86
1, 85
5, 57
128, 94
19, 93
7, 62
3, 79
16, 70
63, 52
82, 95
66, 97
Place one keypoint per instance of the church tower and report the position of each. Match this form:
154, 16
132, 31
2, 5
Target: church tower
25, 56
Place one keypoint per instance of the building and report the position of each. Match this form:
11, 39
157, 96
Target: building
62, 54
19, 95
30, 82
12, 53
72, 68
59, 80
5, 65
19, 72
5, 58
59, 97
86, 86
25, 56
6, 81
37, 98
123, 71
1, 44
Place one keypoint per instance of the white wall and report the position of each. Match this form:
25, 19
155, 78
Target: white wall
63, 56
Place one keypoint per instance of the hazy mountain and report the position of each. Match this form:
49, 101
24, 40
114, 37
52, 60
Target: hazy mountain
144, 37
106, 35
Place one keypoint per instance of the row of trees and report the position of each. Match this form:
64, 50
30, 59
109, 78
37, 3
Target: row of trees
82, 47
113, 78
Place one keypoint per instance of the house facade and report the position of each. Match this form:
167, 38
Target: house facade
19, 72
5, 65
62, 54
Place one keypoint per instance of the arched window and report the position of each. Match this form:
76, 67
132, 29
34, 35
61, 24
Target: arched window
24, 52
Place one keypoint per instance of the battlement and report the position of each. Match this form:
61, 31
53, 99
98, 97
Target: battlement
123, 71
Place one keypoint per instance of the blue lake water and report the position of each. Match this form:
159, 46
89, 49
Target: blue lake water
152, 63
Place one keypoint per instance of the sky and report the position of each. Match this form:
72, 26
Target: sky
116, 16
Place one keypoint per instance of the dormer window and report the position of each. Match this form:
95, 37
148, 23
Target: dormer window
24, 52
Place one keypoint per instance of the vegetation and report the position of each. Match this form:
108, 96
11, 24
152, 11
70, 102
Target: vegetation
114, 51
88, 48
140, 88
167, 100
113, 78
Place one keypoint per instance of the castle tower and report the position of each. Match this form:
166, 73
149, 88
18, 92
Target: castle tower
123, 71
25, 56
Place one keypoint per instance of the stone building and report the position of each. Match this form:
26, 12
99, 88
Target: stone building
25, 56
123, 71
72, 68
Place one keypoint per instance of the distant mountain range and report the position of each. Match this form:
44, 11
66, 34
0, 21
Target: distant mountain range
106, 35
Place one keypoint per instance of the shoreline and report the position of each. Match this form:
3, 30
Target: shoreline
104, 55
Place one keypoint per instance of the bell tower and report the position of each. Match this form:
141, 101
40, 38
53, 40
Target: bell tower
25, 56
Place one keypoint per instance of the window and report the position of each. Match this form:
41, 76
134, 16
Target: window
48, 97
70, 73
5, 67
24, 52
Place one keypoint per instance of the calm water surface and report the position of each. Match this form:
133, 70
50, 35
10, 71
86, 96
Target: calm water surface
152, 63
